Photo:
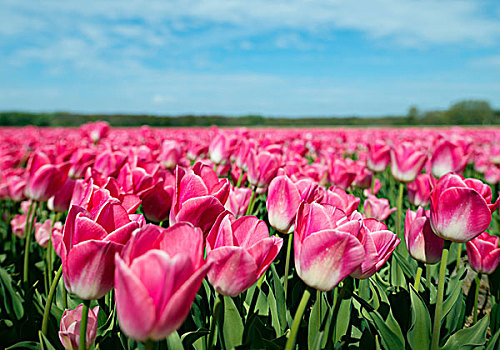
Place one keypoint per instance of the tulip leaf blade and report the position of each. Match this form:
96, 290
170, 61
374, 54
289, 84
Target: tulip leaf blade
174, 341
279, 293
468, 338
13, 301
419, 334
232, 328
391, 336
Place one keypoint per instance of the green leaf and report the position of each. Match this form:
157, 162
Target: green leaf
391, 339
342, 322
232, 328
316, 318
469, 338
419, 334
279, 293
46, 343
174, 342
274, 313
190, 337
25, 345
13, 301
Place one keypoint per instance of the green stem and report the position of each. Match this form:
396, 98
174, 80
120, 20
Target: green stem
428, 275
287, 263
250, 203
400, 209
290, 344
213, 325
238, 184
476, 296
27, 229
83, 325
417, 278
48, 304
459, 255
439, 303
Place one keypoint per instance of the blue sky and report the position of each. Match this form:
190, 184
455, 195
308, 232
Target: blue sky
275, 58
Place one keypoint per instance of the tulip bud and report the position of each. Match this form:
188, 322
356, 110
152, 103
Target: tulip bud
378, 208
422, 244
69, 332
483, 253
406, 162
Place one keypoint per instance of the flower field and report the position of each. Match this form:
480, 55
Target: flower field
212, 238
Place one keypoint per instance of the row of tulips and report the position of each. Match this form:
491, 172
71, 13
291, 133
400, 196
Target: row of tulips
207, 238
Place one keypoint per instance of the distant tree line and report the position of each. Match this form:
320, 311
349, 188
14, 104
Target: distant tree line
467, 112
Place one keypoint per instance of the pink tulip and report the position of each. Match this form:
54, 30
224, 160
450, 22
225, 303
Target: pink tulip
363, 179
483, 253
221, 148
447, 157
238, 201
422, 244
262, 168
157, 278
376, 188
61, 200
69, 332
406, 162
80, 162
43, 232
18, 224
16, 188
199, 196
492, 174
88, 244
419, 191
241, 251
337, 197
378, 208
157, 201
326, 247
109, 163
44, 178
460, 208
378, 243
342, 174
96, 131
282, 202
378, 156
170, 154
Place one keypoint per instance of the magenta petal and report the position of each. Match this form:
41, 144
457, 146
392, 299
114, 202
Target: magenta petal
233, 271
122, 234
177, 309
200, 211
183, 238
264, 252
87, 229
282, 203
134, 306
89, 269
327, 257
460, 214
490, 262
248, 230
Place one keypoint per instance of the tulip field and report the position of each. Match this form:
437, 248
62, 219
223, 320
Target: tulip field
208, 238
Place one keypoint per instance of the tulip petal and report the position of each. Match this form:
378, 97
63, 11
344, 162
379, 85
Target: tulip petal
89, 268
134, 306
327, 257
233, 270
200, 211
460, 215
248, 230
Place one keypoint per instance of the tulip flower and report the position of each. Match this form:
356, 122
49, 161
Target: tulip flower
16, 188
43, 231
447, 157
221, 148
88, 244
156, 202
422, 244
326, 247
338, 198
18, 224
151, 302
61, 200
483, 253
419, 191
238, 201
378, 208
262, 168
44, 178
378, 243
342, 174
199, 196
282, 202
406, 162
378, 156
69, 331
460, 208
241, 251
170, 154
